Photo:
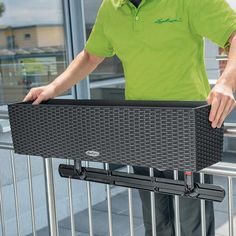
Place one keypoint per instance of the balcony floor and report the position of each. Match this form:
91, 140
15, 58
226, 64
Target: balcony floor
120, 217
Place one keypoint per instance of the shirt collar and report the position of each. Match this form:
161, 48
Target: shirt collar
120, 3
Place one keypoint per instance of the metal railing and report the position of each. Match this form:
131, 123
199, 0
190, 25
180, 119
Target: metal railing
224, 169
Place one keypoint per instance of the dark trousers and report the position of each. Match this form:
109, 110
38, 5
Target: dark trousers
190, 211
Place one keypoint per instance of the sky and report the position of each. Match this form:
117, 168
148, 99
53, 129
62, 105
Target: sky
232, 3
28, 12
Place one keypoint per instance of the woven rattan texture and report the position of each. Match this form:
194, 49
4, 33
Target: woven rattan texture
209, 141
162, 138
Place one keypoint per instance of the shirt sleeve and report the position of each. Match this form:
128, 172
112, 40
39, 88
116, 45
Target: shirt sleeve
98, 43
213, 19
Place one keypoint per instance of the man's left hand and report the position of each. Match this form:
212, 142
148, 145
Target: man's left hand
221, 99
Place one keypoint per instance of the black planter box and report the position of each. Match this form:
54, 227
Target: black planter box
164, 135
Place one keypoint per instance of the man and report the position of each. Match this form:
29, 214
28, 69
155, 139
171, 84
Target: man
160, 44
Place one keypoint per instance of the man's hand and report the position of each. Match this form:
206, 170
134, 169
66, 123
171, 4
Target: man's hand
222, 103
40, 94
221, 96
79, 68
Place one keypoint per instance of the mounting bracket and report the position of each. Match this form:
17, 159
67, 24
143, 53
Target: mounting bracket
186, 188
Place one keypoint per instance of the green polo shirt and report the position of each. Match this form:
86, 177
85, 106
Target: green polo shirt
160, 44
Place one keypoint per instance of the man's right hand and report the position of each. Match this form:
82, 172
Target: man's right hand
40, 94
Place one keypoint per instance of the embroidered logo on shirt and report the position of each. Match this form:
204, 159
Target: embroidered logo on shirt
167, 20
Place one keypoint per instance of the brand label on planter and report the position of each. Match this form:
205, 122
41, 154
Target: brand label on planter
92, 153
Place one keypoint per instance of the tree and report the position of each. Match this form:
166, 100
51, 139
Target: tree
2, 8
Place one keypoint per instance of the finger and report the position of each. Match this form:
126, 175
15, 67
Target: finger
214, 108
28, 97
209, 99
38, 100
233, 106
221, 108
225, 113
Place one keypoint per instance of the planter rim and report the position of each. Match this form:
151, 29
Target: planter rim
191, 105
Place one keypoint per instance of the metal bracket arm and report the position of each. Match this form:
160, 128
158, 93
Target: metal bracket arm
158, 185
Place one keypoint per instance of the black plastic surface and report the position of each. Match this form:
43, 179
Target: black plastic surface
158, 134
159, 185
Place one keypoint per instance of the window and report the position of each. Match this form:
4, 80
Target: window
27, 36
28, 57
10, 42
107, 81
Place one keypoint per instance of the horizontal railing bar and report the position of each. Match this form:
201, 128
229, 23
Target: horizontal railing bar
116, 81
222, 57
4, 116
223, 165
8, 146
221, 169
230, 133
229, 124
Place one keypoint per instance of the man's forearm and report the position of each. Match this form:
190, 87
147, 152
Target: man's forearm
78, 69
221, 96
228, 77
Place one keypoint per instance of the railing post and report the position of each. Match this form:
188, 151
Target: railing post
1, 209
89, 197
153, 206
31, 195
15, 192
72, 218
230, 206
203, 209
109, 206
177, 214
50, 197
130, 198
